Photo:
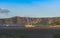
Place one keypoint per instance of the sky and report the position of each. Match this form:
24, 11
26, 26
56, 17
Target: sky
30, 8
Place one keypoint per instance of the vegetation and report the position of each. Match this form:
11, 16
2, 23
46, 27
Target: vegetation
12, 36
56, 35
23, 36
38, 23
55, 23
41, 23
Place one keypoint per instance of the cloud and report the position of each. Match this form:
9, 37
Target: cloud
4, 10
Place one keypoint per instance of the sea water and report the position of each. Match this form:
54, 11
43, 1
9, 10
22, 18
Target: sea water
16, 26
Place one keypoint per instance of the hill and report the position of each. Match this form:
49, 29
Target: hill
35, 21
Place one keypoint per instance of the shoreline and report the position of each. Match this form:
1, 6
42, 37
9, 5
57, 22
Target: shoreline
31, 28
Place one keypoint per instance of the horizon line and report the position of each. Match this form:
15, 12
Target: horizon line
30, 17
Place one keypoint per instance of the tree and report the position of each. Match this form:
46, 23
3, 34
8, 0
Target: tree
55, 23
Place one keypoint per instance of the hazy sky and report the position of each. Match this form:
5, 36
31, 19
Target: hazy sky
31, 8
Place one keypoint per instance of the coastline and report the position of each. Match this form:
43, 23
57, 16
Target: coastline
32, 28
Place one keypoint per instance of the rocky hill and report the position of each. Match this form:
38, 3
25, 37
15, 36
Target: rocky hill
27, 20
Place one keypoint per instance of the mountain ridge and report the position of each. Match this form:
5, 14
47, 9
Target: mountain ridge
17, 20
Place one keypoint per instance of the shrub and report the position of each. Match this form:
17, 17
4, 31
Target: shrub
56, 35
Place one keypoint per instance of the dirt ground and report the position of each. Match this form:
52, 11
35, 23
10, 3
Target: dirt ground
31, 33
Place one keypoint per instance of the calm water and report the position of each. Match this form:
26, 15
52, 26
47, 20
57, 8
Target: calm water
12, 26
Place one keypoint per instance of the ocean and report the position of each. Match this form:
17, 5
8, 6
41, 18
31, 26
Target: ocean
16, 26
